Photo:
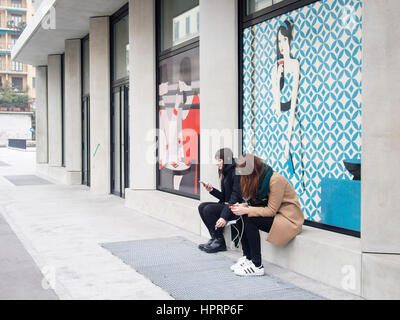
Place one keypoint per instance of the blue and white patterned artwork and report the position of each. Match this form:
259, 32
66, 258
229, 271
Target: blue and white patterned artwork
302, 94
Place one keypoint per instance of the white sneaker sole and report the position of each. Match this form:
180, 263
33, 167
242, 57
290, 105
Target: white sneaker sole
250, 275
257, 274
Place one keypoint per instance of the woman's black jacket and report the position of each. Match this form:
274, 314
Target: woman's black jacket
230, 191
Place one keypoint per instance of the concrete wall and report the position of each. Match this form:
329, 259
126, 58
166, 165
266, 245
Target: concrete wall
73, 114
100, 105
219, 84
381, 130
142, 94
14, 125
54, 110
41, 115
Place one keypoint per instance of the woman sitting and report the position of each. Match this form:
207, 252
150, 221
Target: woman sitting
215, 215
272, 206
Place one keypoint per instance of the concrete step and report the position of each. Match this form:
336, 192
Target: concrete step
59, 174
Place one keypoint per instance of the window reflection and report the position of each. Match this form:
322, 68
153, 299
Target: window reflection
186, 26
121, 48
179, 22
257, 5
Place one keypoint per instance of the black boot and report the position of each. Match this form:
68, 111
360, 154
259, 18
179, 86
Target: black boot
217, 245
213, 235
203, 245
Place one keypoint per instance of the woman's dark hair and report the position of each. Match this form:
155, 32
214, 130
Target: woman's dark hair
249, 167
226, 155
286, 29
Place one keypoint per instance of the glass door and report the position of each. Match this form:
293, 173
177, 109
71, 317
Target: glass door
86, 140
120, 102
85, 111
120, 140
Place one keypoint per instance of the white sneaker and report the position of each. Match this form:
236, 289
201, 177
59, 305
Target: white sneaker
249, 270
241, 262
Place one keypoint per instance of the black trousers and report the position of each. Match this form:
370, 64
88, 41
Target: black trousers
210, 212
251, 236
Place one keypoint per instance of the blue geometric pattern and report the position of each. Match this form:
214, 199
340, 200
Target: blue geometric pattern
327, 41
287, 88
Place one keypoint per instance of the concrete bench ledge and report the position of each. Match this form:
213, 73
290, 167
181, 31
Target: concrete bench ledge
318, 254
328, 257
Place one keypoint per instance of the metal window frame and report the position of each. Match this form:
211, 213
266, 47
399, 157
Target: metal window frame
248, 20
162, 55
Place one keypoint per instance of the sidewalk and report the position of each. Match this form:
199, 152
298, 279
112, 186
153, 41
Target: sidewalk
62, 226
20, 278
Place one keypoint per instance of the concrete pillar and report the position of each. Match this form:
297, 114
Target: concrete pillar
219, 84
100, 105
54, 110
41, 115
73, 114
380, 198
142, 94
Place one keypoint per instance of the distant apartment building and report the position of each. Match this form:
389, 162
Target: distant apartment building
17, 117
14, 16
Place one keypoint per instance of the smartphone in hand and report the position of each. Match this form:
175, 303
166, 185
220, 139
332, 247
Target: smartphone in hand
206, 185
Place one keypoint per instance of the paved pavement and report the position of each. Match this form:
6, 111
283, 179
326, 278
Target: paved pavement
20, 278
61, 228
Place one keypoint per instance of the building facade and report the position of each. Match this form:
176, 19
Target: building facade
295, 82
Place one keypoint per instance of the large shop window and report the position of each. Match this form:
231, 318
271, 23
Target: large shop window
301, 102
178, 111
